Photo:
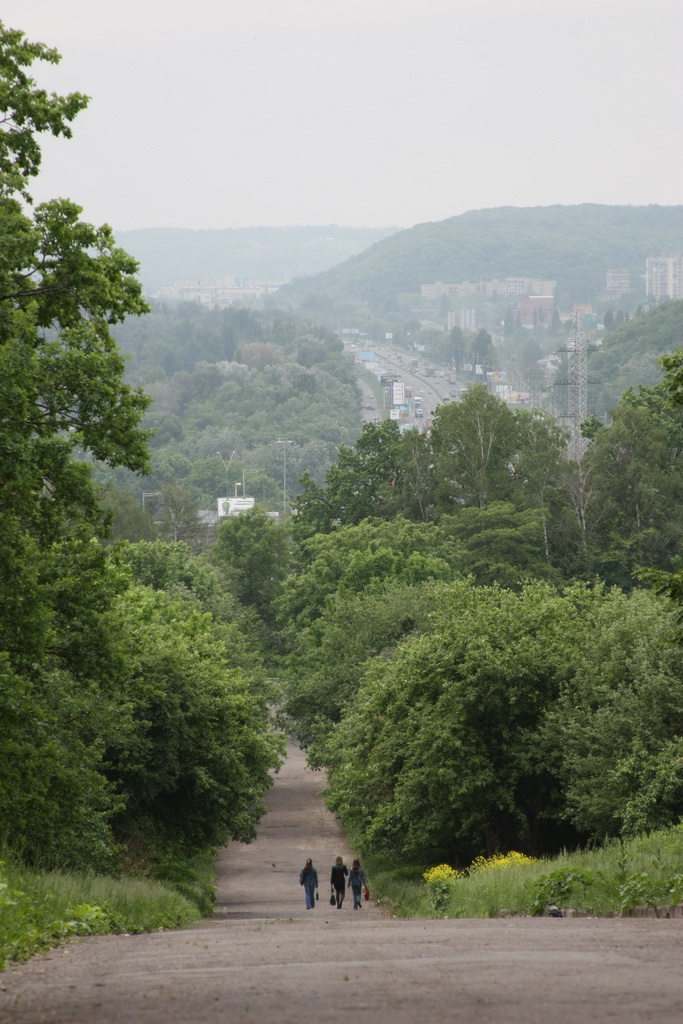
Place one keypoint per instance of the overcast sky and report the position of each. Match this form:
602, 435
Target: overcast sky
233, 113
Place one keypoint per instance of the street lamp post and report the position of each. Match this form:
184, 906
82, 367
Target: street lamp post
284, 442
227, 470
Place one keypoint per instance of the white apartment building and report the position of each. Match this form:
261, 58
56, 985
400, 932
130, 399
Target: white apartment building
664, 277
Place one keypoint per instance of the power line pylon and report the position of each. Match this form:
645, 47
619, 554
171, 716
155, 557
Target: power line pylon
577, 349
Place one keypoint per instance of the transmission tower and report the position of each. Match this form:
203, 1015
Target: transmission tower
577, 349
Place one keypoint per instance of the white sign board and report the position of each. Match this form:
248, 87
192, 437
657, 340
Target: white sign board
233, 506
398, 392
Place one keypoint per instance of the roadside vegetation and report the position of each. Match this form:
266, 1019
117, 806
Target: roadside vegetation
607, 881
39, 909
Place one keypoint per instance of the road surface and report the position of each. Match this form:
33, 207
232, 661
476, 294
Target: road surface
265, 959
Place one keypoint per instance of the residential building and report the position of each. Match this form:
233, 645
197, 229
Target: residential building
664, 277
618, 282
535, 310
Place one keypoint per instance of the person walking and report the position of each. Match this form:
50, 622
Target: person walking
338, 881
357, 882
308, 877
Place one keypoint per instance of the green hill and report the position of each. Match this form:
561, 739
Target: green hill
574, 245
627, 357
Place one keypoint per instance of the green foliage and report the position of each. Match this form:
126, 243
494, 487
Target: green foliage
27, 110
611, 881
635, 354
41, 909
324, 670
618, 715
321, 562
561, 887
652, 782
441, 745
361, 485
55, 803
197, 759
438, 712
499, 544
255, 551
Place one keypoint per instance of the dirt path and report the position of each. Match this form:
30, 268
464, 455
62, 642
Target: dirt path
265, 959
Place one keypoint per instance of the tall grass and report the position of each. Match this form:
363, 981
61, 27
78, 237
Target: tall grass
614, 879
38, 909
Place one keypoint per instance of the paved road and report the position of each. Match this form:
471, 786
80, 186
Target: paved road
264, 959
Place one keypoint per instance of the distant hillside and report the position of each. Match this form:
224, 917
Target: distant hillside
574, 245
627, 357
168, 255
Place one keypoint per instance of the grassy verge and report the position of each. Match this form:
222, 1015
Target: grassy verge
38, 909
643, 872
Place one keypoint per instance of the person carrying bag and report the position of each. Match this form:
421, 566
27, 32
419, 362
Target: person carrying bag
358, 882
338, 882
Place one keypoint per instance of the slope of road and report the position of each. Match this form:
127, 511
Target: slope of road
261, 880
265, 959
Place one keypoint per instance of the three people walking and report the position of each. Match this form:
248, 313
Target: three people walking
357, 882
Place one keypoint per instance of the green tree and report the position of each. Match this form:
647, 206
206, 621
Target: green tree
323, 673
474, 443
195, 762
624, 701
179, 517
540, 467
499, 544
130, 520
320, 563
360, 485
256, 551
63, 284
636, 471
440, 753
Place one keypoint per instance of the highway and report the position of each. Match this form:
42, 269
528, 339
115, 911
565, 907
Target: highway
434, 391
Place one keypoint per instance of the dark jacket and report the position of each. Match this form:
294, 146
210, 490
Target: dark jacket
338, 876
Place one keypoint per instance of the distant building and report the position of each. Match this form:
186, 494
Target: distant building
533, 310
618, 282
217, 294
465, 319
664, 277
515, 286
509, 287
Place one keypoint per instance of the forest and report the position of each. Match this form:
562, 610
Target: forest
476, 637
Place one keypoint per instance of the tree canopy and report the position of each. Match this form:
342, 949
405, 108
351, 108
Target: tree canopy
131, 720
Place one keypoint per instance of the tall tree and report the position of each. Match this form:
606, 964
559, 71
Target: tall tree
362, 484
63, 283
474, 442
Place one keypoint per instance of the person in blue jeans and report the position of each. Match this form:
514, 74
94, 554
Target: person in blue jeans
308, 877
357, 882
